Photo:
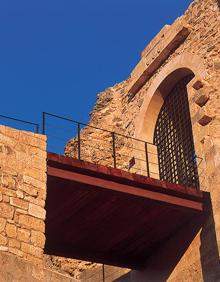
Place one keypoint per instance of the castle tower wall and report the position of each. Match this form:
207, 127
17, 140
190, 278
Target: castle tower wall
190, 44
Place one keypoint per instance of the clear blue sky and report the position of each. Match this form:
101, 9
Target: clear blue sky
57, 55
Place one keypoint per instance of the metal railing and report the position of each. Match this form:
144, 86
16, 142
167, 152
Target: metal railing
101, 146
13, 119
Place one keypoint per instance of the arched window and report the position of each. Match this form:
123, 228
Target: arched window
174, 139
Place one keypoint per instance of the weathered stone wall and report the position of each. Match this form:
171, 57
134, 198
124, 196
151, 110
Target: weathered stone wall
190, 45
23, 168
13, 268
22, 193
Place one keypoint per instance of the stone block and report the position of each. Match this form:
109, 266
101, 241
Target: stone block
11, 230
20, 211
201, 98
8, 192
33, 151
12, 132
39, 163
8, 181
29, 189
28, 138
3, 249
36, 173
37, 201
30, 222
34, 182
41, 194
6, 199
13, 243
20, 194
3, 240
37, 211
33, 141
2, 224
32, 250
21, 148
37, 238
6, 210
23, 235
16, 252
19, 203
7, 140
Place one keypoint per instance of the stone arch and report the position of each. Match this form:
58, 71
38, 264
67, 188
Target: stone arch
173, 71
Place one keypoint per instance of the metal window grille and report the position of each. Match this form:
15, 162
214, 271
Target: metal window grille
174, 139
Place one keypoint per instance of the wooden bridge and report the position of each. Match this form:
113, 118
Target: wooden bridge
110, 216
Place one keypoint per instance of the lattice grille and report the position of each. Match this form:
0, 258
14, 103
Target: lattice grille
174, 140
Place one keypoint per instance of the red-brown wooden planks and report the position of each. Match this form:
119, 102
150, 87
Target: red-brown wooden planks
111, 216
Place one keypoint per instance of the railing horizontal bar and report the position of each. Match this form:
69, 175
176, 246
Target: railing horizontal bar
20, 120
74, 121
59, 138
84, 124
132, 138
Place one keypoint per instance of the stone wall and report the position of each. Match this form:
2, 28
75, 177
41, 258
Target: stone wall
23, 168
14, 268
190, 45
22, 193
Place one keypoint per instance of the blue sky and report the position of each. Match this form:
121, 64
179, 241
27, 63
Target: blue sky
57, 55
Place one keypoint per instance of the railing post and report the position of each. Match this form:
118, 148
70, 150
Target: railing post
79, 141
37, 128
43, 123
114, 150
147, 160
103, 273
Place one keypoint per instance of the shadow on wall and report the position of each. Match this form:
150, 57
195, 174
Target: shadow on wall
124, 278
209, 250
162, 263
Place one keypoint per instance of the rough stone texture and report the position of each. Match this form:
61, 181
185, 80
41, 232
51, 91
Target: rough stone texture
16, 269
106, 273
135, 115
74, 268
21, 183
22, 213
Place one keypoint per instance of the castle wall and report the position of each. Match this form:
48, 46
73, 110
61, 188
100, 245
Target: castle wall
191, 43
23, 168
14, 268
22, 193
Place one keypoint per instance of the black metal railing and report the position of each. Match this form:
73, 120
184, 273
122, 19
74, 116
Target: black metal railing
16, 120
101, 146
90, 143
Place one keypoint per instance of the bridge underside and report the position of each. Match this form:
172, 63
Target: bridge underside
111, 216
